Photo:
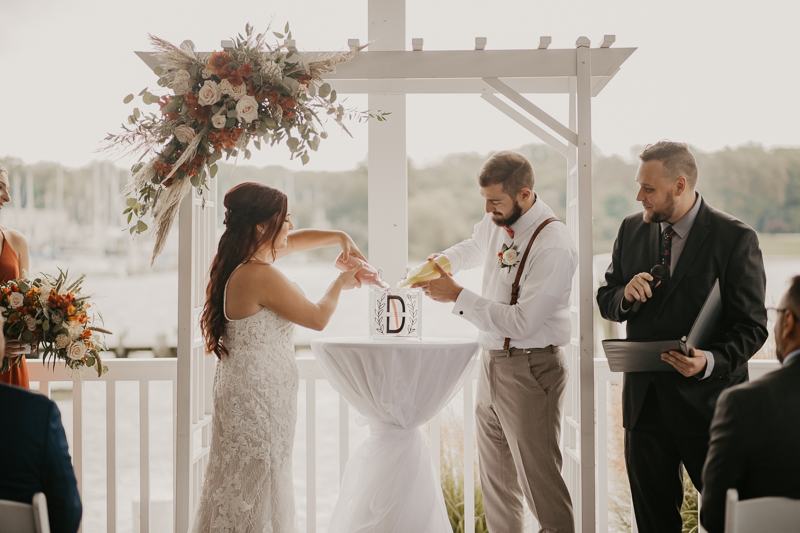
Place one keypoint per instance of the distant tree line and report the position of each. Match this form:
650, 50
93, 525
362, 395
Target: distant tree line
759, 186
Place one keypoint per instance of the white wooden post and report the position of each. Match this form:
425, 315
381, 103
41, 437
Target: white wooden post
388, 170
586, 520
196, 248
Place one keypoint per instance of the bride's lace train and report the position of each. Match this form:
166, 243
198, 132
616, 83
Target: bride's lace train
248, 485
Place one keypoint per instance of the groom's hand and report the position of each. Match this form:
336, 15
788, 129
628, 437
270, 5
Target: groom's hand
441, 289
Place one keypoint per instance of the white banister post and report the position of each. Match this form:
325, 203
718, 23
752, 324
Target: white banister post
388, 169
585, 293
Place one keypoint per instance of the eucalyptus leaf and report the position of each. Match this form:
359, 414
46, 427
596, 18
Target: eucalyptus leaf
278, 35
195, 180
325, 90
213, 169
159, 71
130, 202
304, 158
333, 96
141, 227
292, 143
324, 134
231, 113
128, 99
146, 98
231, 122
246, 154
136, 113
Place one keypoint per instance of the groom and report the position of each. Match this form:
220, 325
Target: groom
521, 387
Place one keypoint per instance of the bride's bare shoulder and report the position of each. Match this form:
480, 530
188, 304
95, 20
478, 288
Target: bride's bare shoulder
255, 273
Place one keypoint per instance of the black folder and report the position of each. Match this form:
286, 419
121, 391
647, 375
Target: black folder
631, 355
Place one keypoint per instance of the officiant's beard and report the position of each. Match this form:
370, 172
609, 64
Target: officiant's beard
516, 212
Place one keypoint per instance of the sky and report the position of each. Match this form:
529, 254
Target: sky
710, 73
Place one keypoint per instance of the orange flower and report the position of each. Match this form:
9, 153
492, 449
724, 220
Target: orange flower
305, 78
245, 70
218, 60
235, 78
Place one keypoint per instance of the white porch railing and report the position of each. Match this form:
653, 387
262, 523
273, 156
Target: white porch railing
145, 371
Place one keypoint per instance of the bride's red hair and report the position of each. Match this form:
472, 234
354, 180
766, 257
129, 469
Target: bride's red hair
247, 205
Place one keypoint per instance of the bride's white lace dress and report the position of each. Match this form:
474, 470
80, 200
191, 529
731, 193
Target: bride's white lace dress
248, 485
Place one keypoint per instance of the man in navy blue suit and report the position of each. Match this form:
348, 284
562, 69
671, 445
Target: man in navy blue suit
34, 456
755, 433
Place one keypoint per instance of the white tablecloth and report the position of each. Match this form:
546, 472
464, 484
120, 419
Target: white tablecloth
397, 385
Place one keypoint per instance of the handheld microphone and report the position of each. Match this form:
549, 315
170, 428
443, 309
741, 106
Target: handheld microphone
658, 272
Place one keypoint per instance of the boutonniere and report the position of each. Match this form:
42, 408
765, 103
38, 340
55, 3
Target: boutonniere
507, 256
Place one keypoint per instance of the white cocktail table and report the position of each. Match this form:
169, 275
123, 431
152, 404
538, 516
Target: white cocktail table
397, 385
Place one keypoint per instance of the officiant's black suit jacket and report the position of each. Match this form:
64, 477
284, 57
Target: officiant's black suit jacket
718, 247
755, 437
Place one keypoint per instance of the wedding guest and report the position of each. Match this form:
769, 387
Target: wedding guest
667, 415
35, 457
248, 319
14, 259
524, 372
755, 433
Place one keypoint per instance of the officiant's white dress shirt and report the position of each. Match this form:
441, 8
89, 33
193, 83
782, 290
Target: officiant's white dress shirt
541, 316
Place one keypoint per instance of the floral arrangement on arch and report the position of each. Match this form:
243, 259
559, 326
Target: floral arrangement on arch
216, 105
51, 314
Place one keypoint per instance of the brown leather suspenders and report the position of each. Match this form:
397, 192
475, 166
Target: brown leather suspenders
515, 286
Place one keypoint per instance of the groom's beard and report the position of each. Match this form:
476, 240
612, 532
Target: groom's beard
516, 212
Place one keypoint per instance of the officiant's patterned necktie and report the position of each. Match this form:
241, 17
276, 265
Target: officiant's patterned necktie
509, 231
666, 251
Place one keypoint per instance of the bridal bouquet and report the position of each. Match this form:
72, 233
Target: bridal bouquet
51, 314
216, 105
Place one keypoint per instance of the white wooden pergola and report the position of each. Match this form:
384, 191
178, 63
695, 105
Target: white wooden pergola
387, 73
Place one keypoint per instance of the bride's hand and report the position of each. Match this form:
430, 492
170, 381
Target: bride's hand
348, 278
349, 247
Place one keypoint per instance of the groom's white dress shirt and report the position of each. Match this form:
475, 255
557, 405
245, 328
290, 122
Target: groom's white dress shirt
541, 316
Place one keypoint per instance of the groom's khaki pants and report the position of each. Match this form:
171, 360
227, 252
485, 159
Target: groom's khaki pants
518, 415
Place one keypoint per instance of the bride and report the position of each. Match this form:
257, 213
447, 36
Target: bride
247, 321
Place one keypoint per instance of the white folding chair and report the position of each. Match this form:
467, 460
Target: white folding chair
759, 515
25, 517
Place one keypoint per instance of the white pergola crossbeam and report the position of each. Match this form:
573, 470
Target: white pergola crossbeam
544, 42
569, 135
532, 127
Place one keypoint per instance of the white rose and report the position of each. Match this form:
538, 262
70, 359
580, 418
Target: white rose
225, 86
30, 322
219, 120
238, 92
76, 351
209, 93
62, 341
510, 257
75, 329
180, 83
247, 109
184, 133
16, 299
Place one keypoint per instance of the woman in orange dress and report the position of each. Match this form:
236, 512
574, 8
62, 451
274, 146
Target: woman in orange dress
14, 258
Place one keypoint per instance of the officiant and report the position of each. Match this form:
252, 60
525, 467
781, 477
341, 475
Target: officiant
667, 415
523, 316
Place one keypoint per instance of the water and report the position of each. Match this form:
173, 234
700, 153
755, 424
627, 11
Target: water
142, 311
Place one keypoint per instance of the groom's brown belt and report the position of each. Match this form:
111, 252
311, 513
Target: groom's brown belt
522, 351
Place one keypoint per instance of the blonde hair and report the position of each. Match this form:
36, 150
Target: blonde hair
3, 170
